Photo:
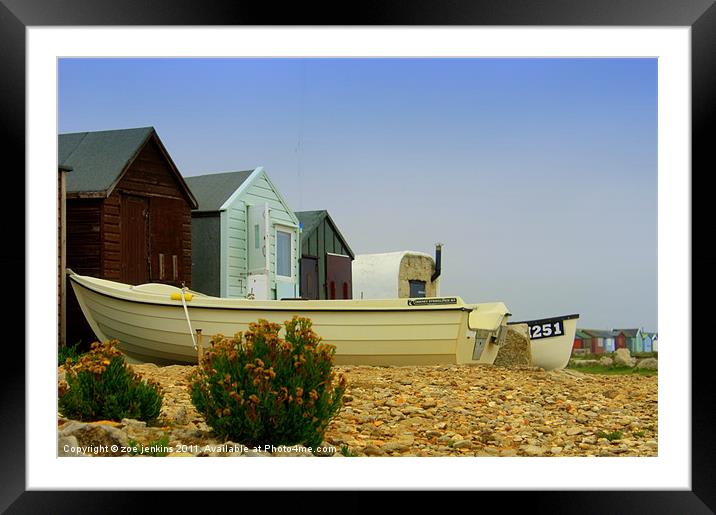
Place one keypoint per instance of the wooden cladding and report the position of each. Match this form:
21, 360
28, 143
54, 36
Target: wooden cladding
134, 246
149, 174
122, 237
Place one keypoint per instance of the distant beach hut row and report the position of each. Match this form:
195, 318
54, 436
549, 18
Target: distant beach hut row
126, 213
598, 341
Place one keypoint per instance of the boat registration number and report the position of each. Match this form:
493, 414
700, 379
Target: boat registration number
546, 328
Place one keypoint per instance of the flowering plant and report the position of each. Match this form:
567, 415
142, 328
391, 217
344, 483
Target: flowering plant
101, 386
259, 389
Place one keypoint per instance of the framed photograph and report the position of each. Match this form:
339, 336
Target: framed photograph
676, 45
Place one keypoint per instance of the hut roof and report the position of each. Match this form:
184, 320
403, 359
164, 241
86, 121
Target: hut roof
214, 189
629, 333
311, 219
99, 159
600, 333
579, 333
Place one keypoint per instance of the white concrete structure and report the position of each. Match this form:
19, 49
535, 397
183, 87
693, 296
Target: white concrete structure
392, 275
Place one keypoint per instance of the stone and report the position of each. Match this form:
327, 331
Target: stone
533, 450
100, 439
517, 349
324, 450
180, 416
648, 364
395, 447
606, 362
462, 444
611, 393
373, 451
68, 446
622, 358
130, 422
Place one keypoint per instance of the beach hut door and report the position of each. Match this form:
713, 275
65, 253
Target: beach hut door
258, 240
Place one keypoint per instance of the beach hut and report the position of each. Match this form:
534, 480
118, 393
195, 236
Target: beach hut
632, 338
128, 213
402, 274
61, 253
244, 236
649, 340
601, 340
582, 342
326, 258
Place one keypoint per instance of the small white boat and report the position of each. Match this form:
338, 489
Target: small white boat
551, 340
157, 323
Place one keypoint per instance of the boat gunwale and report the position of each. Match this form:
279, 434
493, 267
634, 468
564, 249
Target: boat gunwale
193, 304
536, 320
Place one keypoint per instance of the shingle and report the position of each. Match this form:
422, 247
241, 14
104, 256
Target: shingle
310, 220
98, 158
213, 190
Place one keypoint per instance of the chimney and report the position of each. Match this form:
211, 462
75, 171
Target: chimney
438, 255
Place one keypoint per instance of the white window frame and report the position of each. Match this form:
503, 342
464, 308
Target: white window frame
292, 233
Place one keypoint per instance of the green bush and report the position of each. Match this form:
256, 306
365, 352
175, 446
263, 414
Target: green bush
100, 386
68, 352
259, 389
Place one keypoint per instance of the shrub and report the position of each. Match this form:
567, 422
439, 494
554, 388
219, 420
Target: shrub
100, 386
68, 352
259, 389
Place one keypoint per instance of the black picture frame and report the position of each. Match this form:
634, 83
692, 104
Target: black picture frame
17, 15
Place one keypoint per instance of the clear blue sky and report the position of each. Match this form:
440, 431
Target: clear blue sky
538, 175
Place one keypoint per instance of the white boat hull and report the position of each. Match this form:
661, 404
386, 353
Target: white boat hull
551, 340
151, 327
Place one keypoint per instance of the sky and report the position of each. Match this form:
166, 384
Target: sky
539, 176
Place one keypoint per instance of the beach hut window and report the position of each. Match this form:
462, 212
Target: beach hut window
417, 288
283, 253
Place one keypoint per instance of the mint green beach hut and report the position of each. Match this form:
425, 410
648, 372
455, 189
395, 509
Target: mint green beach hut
244, 237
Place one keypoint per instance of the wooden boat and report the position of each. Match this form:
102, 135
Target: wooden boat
157, 323
551, 340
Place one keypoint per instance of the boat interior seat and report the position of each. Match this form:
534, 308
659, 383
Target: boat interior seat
157, 288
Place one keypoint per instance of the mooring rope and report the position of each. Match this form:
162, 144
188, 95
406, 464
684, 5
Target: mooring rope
186, 312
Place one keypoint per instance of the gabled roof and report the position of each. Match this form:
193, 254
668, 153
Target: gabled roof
311, 219
214, 189
600, 333
99, 159
629, 333
579, 333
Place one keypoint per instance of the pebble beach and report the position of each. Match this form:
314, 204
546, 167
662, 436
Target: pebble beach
449, 410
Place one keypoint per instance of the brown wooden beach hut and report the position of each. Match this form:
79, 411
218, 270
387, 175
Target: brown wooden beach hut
128, 213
